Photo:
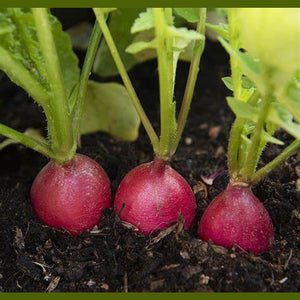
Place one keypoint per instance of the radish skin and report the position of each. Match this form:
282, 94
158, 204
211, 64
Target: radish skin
152, 196
73, 196
237, 217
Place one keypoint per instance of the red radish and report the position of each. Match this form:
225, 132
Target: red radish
237, 217
71, 196
151, 197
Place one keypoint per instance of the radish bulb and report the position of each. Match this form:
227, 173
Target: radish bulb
152, 196
237, 217
71, 196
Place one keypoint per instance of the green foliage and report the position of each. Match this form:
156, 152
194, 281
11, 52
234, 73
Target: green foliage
22, 45
167, 42
136, 21
140, 46
247, 87
120, 23
143, 22
290, 98
31, 132
112, 103
242, 109
181, 37
222, 29
266, 92
278, 116
248, 65
37, 55
274, 43
6, 25
189, 14
283, 118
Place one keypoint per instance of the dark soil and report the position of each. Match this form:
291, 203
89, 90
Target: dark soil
34, 257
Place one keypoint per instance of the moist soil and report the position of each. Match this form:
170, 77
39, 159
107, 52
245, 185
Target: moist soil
113, 258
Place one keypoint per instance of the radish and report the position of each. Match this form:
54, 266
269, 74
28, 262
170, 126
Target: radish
71, 196
72, 190
236, 216
152, 196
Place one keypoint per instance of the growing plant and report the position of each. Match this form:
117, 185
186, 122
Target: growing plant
266, 95
153, 195
72, 190
104, 64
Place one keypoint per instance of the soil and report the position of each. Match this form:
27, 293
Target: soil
113, 258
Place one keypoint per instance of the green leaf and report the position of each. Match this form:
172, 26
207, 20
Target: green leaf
34, 133
145, 21
248, 65
271, 127
192, 15
222, 29
290, 99
140, 46
67, 58
242, 109
274, 44
183, 36
23, 45
284, 119
6, 143
228, 82
246, 83
149, 53
247, 90
104, 64
120, 23
271, 139
6, 25
108, 108
248, 127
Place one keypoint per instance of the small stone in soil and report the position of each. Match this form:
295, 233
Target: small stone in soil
188, 141
104, 286
154, 285
203, 126
184, 254
283, 280
204, 279
91, 282
48, 244
214, 132
219, 151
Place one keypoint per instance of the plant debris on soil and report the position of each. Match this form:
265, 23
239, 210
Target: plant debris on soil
114, 258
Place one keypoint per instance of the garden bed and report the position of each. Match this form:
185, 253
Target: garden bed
112, 258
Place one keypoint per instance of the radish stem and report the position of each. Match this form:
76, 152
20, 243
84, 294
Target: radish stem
60, 121
115, 54
84, 77
288, 151
192, 78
